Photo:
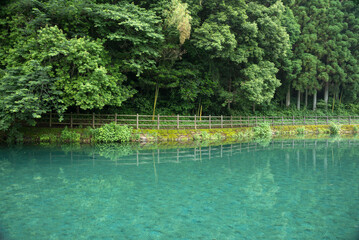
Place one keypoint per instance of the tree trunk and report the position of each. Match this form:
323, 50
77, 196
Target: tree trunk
155, 103
229, 90
298, 100
315, 101
340, 98
287, 101
306, 97
326, 92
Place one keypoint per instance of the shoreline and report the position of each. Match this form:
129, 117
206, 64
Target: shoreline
170, 136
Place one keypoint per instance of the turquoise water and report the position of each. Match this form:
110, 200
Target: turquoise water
287, 190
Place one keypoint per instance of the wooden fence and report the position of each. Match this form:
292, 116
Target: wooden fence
188, 122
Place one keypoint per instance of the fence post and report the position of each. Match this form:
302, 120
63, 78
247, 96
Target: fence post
177, 121
282, 120
338, 119
137, 120
316, 120
350, 120
231, 121
93, 120
71, 121
293, 121
195, 121
115, 118
158, 121
327, 119
221, 121
50, 119
209, 122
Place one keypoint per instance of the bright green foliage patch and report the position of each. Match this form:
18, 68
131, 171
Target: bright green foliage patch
262, 131
69, 136
52, 138
300, 131
355, 129
217, 137
243, 135
334, 128
112, 133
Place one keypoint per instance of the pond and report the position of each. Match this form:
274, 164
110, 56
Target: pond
292, 189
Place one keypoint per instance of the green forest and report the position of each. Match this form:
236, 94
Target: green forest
230, 57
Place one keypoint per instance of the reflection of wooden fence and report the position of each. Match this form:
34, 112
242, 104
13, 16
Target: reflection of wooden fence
183, 122
191, 154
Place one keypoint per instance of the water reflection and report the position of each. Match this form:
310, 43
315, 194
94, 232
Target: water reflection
303, 188
297, 153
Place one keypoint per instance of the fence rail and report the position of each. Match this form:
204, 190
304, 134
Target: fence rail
188, 122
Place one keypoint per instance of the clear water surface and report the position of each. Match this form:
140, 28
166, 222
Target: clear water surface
302, 189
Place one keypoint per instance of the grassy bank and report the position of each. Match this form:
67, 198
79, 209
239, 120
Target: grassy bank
85, 135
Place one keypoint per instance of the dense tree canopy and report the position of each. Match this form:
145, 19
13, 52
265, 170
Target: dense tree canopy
177, 57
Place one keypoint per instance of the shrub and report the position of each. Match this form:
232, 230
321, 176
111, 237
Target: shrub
48, 138
202, 136
263, 130
243, 135
153, 136
300, 131
197, 137
44, 138
334, 128
217, 137
323, 130
70, 136
136, 137
205, 135
355, 129
87, 133
239, 135
112, 133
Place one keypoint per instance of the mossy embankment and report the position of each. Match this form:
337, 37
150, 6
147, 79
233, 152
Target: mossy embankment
41, 134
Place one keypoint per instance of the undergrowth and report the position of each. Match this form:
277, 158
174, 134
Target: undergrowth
112, 132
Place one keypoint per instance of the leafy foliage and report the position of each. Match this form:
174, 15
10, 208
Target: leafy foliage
355, 129
69, 136
112, 133
263, 131
26, 93
178, 57
300, 131
334, 128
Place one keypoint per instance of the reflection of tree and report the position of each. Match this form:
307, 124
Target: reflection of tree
71, 147
264, 142
261, 188
254, 194
113, 151
5, 168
